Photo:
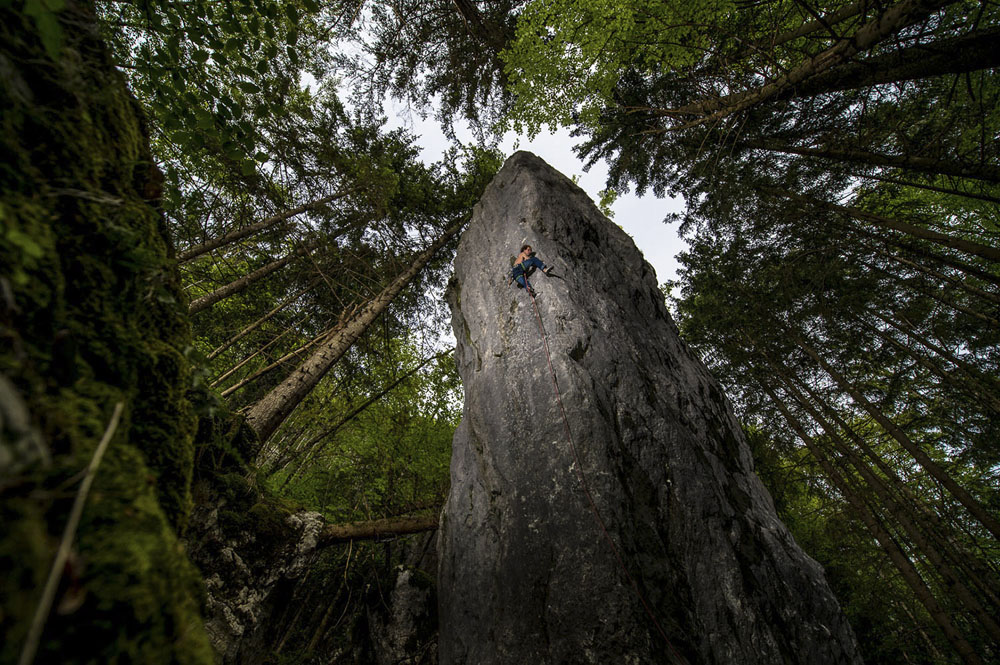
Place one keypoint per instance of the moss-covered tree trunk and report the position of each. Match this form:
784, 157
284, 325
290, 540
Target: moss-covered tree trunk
90, 314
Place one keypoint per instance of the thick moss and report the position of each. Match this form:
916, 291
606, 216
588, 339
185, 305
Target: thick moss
90, 315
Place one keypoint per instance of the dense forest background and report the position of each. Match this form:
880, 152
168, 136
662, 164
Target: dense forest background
839, 164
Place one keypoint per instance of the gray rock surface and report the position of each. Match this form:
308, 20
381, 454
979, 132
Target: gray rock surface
526, 574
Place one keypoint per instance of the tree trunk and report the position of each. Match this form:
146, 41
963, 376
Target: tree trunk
971, 387
238, 285
957, 55
918, 454
215, 383
894, 19
390, 526
310, 446
267, 414
902, 512
983, 251
967, 369
277, 363
954, 306
239, 234
259, 322
899, 559
930, 165
968, 288
931, 188
916, 250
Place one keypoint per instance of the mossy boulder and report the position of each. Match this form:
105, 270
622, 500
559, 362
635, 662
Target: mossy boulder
90, 315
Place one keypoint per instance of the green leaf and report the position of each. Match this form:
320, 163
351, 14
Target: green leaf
261, 157
248, 87
292, 37
311, 6
248, 168
293, 55
200, 56
293, 14
262, 67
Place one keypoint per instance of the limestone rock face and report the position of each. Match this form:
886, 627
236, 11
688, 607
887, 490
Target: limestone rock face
526, 572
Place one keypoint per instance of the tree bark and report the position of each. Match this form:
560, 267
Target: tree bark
390, 526
238, 285
267, 414
239, 234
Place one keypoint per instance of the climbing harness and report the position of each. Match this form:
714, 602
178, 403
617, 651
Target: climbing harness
586, 489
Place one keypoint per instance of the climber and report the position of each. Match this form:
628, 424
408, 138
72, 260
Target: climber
524, 265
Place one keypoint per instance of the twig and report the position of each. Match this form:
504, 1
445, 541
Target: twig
51, 584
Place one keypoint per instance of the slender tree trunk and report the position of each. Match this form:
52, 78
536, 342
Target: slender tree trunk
988, 320
259, 322
238, 285
971, 387
955, 55
954, 281
239, 234
277, 363
917, 251
918, 454
931, 188
899, 559
253, 355
983, 251
966, 368
267, 414
824, 23
930, 165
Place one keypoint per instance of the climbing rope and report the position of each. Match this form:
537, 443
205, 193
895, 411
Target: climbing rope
586, 488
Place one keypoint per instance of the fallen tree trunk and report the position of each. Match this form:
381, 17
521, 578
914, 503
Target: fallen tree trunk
389, 526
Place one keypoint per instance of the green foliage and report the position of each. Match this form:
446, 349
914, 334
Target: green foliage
568, 56
392, 458
210, 72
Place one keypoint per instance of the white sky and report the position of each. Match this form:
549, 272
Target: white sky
642, 218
